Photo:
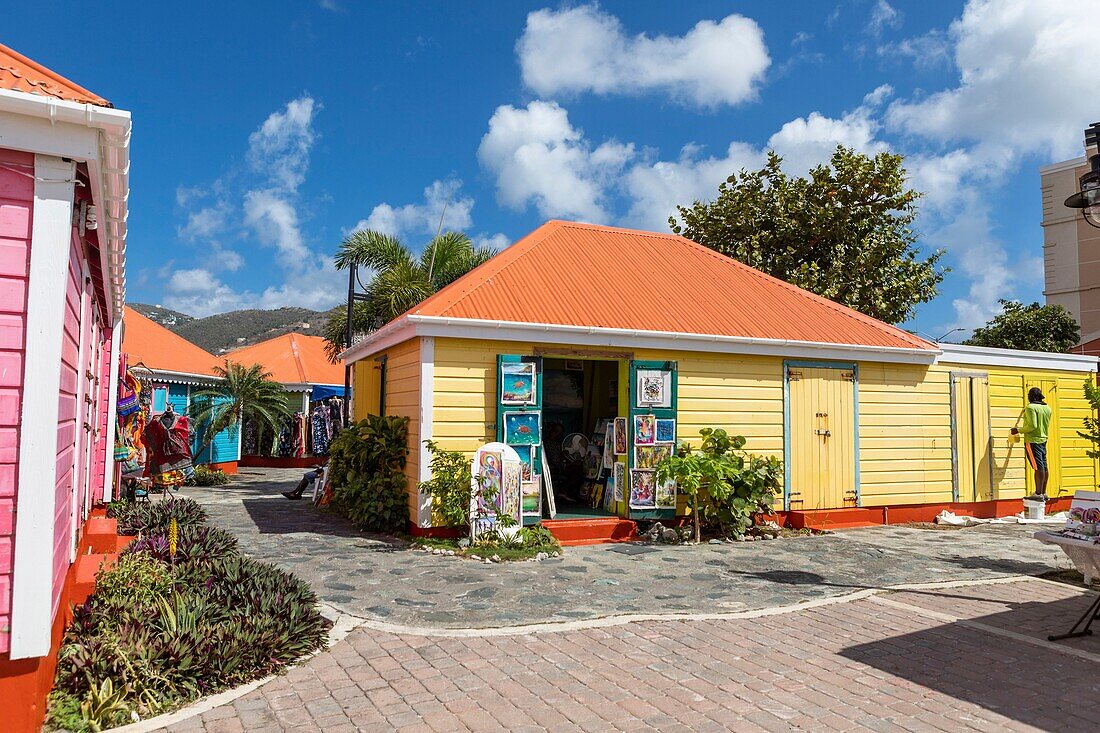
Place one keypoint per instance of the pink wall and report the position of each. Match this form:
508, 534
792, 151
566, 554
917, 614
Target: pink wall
81, 454
16, 203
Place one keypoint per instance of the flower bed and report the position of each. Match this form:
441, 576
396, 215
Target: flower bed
181, 615
529, 543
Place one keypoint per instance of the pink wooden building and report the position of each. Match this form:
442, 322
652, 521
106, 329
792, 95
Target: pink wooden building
64, 163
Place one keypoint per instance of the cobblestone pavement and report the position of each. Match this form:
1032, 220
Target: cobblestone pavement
376, 578
934, 659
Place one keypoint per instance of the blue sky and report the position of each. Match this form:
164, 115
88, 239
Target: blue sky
265, 132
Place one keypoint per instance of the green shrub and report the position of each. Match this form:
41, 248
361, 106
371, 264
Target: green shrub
159, 632
538, 536
449, 485
206, 476
154, 515
726, 485
367, 468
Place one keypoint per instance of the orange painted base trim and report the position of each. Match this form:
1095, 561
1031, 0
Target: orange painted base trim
26, 683
596, 531
269, 462
229, 468
906, 513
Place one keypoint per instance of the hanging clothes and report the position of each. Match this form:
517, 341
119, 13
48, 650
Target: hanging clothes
320, 431
248, 447
167, 439
284, 442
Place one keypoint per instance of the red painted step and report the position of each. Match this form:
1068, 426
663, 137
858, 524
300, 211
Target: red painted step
591, 531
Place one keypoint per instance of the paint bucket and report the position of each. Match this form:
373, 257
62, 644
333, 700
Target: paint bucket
1035, 509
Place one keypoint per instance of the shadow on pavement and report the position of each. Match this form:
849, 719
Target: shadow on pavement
1028, 683
282, 516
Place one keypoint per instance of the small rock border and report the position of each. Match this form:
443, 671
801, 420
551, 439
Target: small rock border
439, 551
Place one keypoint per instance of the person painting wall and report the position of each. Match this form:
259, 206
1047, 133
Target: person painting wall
1034, 430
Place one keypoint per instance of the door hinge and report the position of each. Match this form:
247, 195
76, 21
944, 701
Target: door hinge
826, 433
793, 375
849, 376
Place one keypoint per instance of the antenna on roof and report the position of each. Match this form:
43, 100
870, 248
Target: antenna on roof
438, 231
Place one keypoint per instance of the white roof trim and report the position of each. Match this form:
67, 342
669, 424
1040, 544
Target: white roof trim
1065, 165
989, 357
413, 325
108, 168
167, 375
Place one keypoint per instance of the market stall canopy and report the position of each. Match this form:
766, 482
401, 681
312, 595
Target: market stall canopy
567, 275
147, 342
293, 358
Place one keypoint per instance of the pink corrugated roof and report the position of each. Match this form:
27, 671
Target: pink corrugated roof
566, 273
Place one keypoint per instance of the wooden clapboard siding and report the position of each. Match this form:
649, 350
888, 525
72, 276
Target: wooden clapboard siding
904, 434
402, 398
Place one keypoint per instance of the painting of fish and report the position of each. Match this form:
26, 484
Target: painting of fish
517, 383
522, 428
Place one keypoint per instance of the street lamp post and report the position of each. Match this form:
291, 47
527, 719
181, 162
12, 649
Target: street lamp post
1088, 198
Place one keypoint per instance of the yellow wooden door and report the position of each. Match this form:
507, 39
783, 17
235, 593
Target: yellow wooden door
1049, 388
972, 447
822, 434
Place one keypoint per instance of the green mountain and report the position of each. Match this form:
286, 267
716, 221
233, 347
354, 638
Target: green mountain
224, 331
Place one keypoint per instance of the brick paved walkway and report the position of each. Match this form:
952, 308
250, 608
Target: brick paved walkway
963, 658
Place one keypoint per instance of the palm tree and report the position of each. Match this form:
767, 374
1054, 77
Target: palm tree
401, 279
243, 393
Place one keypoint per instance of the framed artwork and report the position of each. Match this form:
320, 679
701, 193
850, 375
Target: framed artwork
666, 430
487, 482
522, 428
532, 497
620, 436
593, 462
645, 457
619, 476
511, 490
609, 446
645, 430
654, 388
517, 383
526, 459
666, 495
643, 485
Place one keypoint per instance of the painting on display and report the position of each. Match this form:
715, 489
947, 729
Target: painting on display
526, 459
532, 497
1083, 509
643, 485
522, 428
666, 495
593, 461
489, 474
517, 383
511, 490
654, 388
645, 430
609, 446
621, 442
619, 474
666, 430
610, 494
648, 456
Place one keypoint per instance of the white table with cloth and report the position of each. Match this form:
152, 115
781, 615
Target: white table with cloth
1085, 556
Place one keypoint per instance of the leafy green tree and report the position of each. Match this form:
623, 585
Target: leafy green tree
844, 233
243, 393
401, 279
1029, 327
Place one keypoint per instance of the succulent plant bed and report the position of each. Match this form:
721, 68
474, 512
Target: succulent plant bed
181, 615
530, 543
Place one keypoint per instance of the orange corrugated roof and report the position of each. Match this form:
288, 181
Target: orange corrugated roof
152, 344
565, 273
292, 358
20, 74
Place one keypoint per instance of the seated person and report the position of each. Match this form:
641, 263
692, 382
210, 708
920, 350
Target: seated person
310, 476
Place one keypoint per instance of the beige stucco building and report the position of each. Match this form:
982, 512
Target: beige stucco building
1071, 251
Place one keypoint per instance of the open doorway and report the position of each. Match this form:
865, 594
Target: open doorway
579, 397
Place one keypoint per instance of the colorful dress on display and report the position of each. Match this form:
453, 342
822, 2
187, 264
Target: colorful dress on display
167, 440
320, 432
249, 446
286, 438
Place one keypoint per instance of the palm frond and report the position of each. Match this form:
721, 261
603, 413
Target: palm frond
372, 249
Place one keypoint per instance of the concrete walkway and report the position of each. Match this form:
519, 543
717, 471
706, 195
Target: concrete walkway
375, 578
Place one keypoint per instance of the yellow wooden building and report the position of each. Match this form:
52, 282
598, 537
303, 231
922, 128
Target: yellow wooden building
866, 417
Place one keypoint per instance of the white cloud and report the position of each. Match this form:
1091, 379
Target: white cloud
585, 49
207, 221
929, 51
883, 16
1024, 79
416, 219
496, 242
275, 221
539, 157
280, 148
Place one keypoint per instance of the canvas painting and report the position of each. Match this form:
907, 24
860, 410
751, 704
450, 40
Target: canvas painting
593, 462
654, 388
609, 446
620, 436
645, 430
526, 458
666, 495
642, 489
532, 497
666, 430
645, 457
1084, 509
522, 428
511, 490
488, 479
610, 494
619, 477
517, 383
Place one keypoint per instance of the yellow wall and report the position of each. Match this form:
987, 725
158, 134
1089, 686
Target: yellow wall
402, 398
904, 413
